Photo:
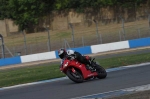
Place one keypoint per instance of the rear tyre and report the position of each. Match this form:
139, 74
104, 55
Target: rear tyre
76, 77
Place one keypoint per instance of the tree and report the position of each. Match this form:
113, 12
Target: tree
4, 9
82, 4
28, 12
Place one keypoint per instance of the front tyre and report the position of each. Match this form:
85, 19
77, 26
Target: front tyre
76, 77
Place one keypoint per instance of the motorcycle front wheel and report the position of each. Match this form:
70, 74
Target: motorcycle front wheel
76, 77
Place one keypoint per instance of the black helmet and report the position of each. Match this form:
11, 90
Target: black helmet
62, 53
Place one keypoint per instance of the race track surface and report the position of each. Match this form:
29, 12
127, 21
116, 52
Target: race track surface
66, 89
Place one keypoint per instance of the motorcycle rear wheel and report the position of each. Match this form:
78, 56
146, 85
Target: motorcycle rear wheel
101, 72
76, 77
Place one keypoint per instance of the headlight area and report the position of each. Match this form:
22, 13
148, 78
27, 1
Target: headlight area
65, 65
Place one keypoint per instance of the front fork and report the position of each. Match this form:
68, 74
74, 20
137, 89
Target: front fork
73, 70
74, 73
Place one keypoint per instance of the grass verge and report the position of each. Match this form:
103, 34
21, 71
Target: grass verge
44, 72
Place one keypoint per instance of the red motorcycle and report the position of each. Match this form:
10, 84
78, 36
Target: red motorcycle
78, 72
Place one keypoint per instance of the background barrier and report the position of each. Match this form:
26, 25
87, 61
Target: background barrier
83, 50
139, 42
109, 46
10, 61
38, 57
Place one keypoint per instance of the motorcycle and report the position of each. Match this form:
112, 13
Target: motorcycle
79, 73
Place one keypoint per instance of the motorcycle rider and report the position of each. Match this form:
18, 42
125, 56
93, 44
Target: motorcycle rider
71, 54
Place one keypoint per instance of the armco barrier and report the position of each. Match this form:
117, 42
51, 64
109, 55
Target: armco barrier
109, 46
10, 61
82, 50
139, 42
38, 57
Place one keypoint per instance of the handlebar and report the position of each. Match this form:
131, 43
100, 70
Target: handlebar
92, 59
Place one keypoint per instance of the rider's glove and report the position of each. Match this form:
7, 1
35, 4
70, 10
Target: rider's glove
72, 58
75, 56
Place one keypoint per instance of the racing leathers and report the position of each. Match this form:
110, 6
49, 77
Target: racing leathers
76, 55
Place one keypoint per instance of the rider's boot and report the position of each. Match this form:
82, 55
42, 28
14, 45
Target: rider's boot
89, 67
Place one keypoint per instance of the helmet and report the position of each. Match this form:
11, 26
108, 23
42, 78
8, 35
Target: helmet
62, 53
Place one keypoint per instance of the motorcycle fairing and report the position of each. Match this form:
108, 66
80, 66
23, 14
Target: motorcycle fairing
75, 64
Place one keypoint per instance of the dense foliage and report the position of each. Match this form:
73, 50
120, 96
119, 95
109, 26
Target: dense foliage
80, 5
25, 12
28, 12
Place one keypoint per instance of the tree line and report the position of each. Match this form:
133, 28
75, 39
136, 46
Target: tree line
28, 12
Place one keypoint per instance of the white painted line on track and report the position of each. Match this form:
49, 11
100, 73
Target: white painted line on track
63, 78
34, 83
126, 67
116, 93
121, 91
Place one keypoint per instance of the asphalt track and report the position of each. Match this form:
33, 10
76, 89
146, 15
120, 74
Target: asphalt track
66, 89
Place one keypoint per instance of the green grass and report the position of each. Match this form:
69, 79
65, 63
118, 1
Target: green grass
44, 72
125, 60
29, 74
64, 34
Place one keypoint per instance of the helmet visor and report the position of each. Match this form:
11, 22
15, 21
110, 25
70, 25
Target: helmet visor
62, 56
